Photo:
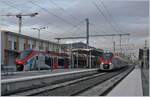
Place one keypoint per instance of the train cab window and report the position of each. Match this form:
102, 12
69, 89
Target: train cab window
24, 54
107, 56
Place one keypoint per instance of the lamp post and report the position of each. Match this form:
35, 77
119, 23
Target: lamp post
39, 30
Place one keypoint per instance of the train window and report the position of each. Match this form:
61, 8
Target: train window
107, 56
24, 54
115, 61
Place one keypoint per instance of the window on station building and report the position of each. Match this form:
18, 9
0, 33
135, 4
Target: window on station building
9, 44
41, 46
33, 46
29, 46
24, 46
15, 45
46, 49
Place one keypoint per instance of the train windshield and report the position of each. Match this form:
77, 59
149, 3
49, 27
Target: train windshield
107, 56
24, 54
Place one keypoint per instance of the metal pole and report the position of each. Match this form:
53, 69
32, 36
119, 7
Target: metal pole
39, 49
19, 30
114, 46
20, 23
145, 54
120, 44
87, 39
90, 60
77, 59
87, 61
87, 31
39, 33
58, 40
73, 60
59, 45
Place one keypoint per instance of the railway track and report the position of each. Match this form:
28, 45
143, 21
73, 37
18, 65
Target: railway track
72, 86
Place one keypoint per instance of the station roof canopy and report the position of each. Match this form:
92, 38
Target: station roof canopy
94, 52
58, 54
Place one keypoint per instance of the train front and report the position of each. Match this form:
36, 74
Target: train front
22, 59
106, 61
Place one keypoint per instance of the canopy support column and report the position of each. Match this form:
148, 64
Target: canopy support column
90, 60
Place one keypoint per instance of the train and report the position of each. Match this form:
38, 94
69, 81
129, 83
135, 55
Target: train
33, 60
111, 61
30, 59
43, 60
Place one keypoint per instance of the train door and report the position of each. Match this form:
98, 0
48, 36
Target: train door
61, 62
66, 63
49, 61
55, 62
42, 62
31, 63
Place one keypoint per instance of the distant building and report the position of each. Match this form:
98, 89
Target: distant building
12, 43
76, 45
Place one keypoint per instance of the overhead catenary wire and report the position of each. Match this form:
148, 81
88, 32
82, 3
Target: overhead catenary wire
97, 31
20, 10
100, 30
51, 13
11, 6
75, 28
63, 10
105, 17
111, 17
4, 2
73, 17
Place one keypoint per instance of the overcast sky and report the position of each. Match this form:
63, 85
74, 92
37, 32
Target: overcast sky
67, 18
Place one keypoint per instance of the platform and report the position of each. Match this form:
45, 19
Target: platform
37, 73
130, 86
145, 81
26, 80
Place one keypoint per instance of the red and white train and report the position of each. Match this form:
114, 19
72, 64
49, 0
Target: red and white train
33, 60
110, 61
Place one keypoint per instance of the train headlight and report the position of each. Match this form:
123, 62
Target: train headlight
110, 63
102, 63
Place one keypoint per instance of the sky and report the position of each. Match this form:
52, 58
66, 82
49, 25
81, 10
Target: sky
64, 18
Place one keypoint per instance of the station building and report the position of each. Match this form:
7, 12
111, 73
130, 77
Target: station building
12, 43
76, 45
